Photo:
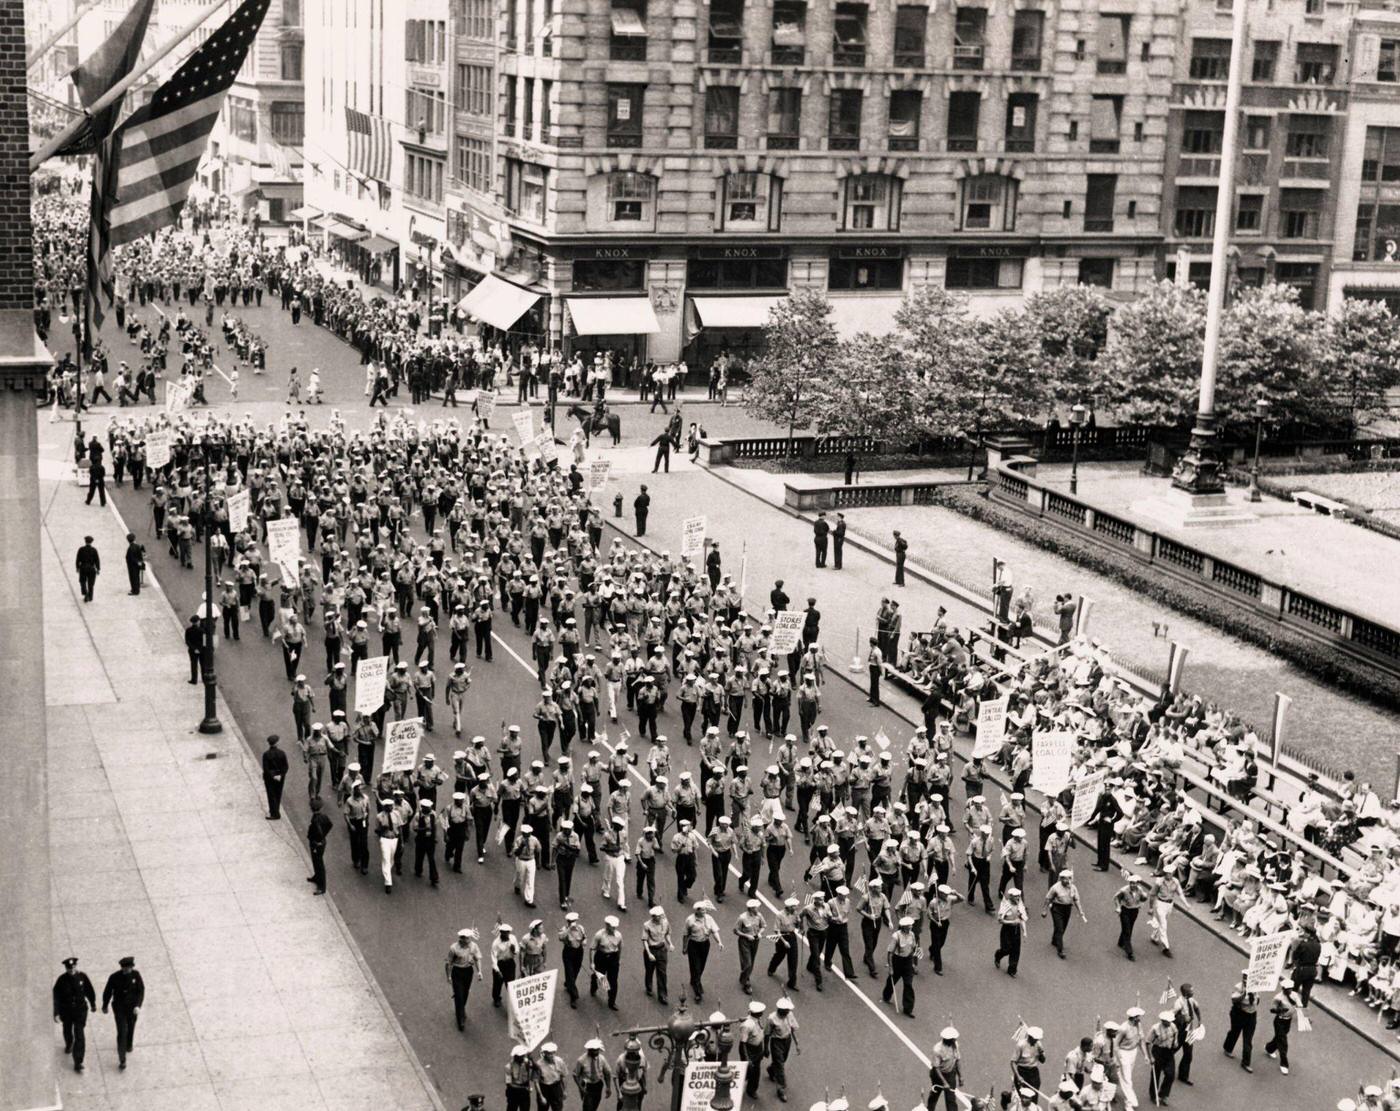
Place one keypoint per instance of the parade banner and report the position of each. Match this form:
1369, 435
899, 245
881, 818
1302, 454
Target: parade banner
284, 546
524, 422
787, 632
158, 449
1086, 797
485, 403
991, 727
1176, 663
692, 537
239, 506
177, 397
598, 472
1267, 956
699, 1091
532, 1008
545, 445
1052, 755
371, 676
401, 741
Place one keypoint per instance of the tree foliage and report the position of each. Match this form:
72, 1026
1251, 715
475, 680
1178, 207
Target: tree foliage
1150, 368
1069, 326
801, 352
868, 392
1271, 347
1363, 356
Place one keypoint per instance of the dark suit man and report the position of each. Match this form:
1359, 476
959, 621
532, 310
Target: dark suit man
89, 565
274, 764
135, 562
777, 597
125, 993
821, 529
641, 505
838, 540
194, 646
97, 481
662, 444
73, 998
901, 549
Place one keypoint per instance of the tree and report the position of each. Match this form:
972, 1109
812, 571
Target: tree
868, 392
800, 354
1271, 347
934, 328
1362, 355
1150, 367
1071, 325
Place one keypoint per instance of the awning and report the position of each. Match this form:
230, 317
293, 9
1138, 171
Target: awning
345, 231
377, 244
626, 21
613, 316
498, 303
734, 312
323, 221
873, 314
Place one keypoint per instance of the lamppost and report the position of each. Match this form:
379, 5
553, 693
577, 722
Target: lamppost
211, 723
674, 1042
1261, 410
1077, 416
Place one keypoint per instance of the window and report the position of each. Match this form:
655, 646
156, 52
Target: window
1302, 276
291, 13
288, 123
765, 273
964, 110
864, 273
1105, 124
848, 35
989, 203
422, 177
969, 38
910, 30
243, 119
1027, 33
1307, 136
474, 163
1113, 43
525, 190
291, 61
1317, 64
1099, 197
1377, 233
906, 106
426, 110
1299, 210
1096, 271
789, 33
1257, 130
1380, 158
1265, 60
1210, 59
546, 109
477, 20
527, 130
872, 203
1202, 132
843, 119
632, 198
628, 41
784, 118
1195, 211
726, 38
625, 115
1020, 121
750, 201
474, 90
1249, 212
512, 103
722, 117
609, 275
1388, 62
984, 273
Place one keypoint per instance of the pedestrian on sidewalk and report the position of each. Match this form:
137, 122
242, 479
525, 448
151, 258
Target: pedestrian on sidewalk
316, 834
194, 647
662, 443
838, 541
641, 505
125, 994
821, 530
89, 566
135, 562
901, 549
73, 998
97, 481
274, 765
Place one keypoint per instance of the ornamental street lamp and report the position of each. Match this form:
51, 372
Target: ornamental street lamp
684, 1039
1077, 416
1261, 411
211, 723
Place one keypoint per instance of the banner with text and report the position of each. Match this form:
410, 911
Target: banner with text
177, 397
485, 403
699, 1091
598, 472
370, 679
239, 506
545, 445
991, 727
158, 448
401, 741
692, 537
532, 1008
787, 632
1086, 797
1267, 956
284, 546
1052, 754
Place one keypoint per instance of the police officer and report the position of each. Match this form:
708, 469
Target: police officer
656, 945
463, 965
73, 998
124, 993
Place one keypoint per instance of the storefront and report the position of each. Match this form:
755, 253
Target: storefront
504, 311
731, 290
620, 325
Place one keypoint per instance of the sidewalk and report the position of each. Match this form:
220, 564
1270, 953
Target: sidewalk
256, 996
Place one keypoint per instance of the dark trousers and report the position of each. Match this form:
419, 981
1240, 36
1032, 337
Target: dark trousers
654, 969
719, 867
685, 875
979, 876
837, 546
838, 939
1159, 1084
133, 578
517, 1097
938, 934
748, 952
75, 1036
461, 989
1010, 946
785, 950
126, 1031
318, 866
273, 786
87, 580
425, 848
697, 955
573, 965
1242, 1025
1188, 1053
359, 843
901, 972
1059, 917
870, 940
608, 966
1127, 919
1279, 1042
816, 944
874, 685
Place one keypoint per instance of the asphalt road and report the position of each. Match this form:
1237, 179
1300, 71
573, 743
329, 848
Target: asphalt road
404, 937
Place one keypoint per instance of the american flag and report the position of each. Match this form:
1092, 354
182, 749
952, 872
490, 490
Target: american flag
371, 144
99, 270
159, 147
108, 64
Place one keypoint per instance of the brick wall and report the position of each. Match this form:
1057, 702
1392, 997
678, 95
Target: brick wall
16, 238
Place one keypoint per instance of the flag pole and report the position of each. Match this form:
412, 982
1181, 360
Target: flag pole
118, 90
37, 54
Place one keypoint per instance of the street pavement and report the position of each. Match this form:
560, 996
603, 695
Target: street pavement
404, 937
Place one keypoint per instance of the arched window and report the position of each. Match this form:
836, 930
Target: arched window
988, 203
872, 203
750, 201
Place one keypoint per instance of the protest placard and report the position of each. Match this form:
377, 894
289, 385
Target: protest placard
177, 397
284, 546
1086, 797
485, 403
1267, 956
532, 1008
991, 727
1052, 754
692, 537
787, 632
699, 1091
524, 422
239, 506
401, 740
598, 472
370, 678
545, 445
158, 448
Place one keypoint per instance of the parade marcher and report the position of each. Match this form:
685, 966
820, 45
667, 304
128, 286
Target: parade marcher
607, 959
1244, 1008
1161, 1042
1062, 898
656, 947
751, 1046
901, 956
124, 994
1012, 917
463, 966
1283, 1009
73, 1000
1189, 1030
780, 1043
386, 829
520, 1073
945, 1071
1028, 1056
573, 940
786, 945
505, 960
697, 935
549, 1073
749, 929
593, 1075
1128, 901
